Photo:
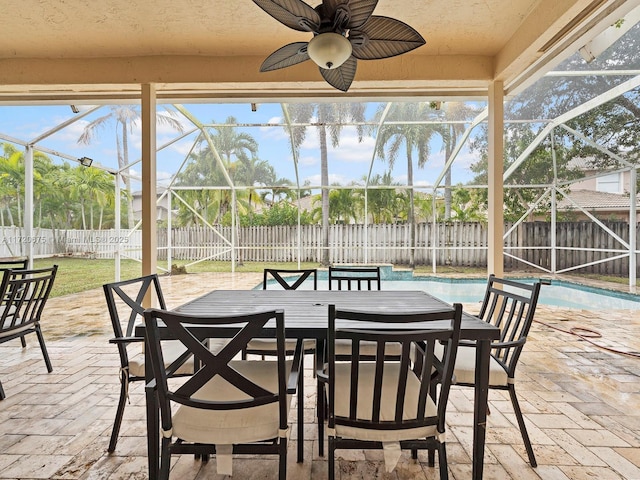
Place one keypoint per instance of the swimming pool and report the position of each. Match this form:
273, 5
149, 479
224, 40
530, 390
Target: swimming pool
469, 290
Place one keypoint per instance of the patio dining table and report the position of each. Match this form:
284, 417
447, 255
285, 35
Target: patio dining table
306, 317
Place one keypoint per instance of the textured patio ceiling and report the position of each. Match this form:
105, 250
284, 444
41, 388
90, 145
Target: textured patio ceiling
197, 49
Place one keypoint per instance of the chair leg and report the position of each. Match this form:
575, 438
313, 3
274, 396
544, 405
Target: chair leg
23, 342
2, 394
300, 442
320, 414
431, 455
282, 466
119, 414
165, 459
442, 461
332, 459
523, 428
43, 347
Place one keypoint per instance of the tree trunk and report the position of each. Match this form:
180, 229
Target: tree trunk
447, 177
84, 221
324, 182
127, 180
411, 219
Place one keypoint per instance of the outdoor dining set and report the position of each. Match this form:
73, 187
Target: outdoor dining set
220, 371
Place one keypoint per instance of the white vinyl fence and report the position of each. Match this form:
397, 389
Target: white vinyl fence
583, 246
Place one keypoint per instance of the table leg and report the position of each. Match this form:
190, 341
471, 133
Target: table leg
480, 406
301, 413
153, 421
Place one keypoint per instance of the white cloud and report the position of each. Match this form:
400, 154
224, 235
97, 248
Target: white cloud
351, 150
315, 180
308, 160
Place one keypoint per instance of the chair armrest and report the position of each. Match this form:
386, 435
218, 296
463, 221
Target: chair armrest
296, 368
126, 340
514, 343
472, 343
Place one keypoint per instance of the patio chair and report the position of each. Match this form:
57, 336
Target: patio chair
24, 294
391, 404
228, 406
510, 306
287, 280
354, 278
124, 302
14, 264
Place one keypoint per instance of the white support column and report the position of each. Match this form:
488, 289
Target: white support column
495, 259
234, 231
554, 207
169, 243
149, 215
27, 218
118, 249
633, 227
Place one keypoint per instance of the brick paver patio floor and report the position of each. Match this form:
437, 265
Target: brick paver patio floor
581, 404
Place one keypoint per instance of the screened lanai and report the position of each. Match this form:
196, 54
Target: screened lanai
510, 123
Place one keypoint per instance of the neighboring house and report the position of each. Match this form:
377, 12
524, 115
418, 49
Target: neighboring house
162, 207
606, 196
602, 205
617, 182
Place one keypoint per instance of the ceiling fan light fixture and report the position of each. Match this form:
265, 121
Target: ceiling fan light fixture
329, 50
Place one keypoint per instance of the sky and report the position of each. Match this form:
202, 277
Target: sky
349, 162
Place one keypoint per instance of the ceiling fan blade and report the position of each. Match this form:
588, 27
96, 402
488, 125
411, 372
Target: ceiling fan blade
293, 13
342, 76
383, 37
286, 56
359, 11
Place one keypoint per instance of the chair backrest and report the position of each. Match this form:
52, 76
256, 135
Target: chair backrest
163, 324
14, 264
416, 368
290, 279
354, 278
125, 302
24, 295
509, 305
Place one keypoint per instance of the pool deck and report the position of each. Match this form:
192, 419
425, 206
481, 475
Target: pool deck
581, 404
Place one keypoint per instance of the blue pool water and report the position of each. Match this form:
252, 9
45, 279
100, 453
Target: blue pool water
468, 290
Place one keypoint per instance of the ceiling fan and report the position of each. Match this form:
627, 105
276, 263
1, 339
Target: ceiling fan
344, 31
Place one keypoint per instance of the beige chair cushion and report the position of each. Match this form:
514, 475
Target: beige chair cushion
343, 347
233, 426
9, 320
269, 344
465, 369
387, 407
171, 349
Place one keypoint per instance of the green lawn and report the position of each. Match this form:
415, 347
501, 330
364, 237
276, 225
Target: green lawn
80, 274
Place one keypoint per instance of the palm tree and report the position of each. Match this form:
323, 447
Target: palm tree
382, 201
345, 205
330, 118
89, 187
451, 133
413, 135
233, 146
254, 172
238, 152
125, 118
12, 175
